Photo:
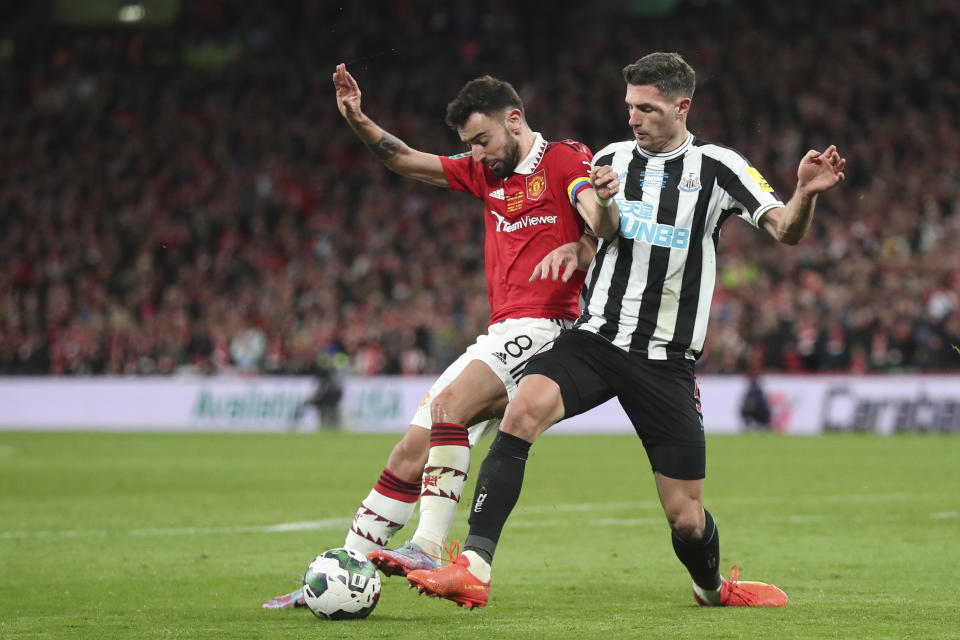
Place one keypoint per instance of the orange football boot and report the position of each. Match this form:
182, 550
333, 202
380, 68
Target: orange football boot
452, 582
737, 593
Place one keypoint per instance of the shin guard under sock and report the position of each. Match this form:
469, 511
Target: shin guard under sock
701, 557
498, 488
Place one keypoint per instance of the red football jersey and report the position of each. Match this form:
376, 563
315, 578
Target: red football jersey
527, 216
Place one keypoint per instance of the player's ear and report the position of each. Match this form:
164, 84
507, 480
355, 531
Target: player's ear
683, 106
513, 119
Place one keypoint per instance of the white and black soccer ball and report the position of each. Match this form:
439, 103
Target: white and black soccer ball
341, 584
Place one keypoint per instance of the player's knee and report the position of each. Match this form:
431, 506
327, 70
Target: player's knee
686, 521
525, 419
446, 408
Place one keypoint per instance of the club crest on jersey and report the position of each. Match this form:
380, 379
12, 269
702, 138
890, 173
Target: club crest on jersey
536, 185
689, 183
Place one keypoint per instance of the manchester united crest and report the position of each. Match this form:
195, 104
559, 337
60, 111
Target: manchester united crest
536, 185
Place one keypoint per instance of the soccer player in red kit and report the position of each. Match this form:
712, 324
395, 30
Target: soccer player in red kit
537, 197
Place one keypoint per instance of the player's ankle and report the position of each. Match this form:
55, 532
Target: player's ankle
479, 567
430, 547
708, 595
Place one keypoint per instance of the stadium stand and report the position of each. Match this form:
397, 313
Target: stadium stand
188, 198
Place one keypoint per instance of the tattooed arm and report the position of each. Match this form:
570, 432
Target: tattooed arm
388, 148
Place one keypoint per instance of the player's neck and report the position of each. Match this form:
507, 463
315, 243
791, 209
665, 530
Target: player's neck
527, 137
671, 144
675, 141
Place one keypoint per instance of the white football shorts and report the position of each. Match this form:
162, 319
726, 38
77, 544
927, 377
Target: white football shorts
505, 348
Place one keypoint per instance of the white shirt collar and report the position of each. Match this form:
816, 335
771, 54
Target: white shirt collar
529, 163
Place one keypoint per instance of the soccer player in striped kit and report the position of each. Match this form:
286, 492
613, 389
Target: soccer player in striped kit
647, 302
537, 196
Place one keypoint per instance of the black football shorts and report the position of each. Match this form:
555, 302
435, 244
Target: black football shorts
660, 397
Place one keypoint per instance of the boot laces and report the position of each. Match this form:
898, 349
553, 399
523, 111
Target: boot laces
734, 586
451, 551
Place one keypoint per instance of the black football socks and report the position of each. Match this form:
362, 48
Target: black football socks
498, 489
701, 557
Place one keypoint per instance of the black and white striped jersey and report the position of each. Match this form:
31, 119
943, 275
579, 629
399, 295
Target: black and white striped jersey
648, 291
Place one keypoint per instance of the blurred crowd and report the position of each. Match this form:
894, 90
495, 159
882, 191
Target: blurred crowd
188, 199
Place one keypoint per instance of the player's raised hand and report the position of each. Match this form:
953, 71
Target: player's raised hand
605, 181
820, 171
348, 93
559, 263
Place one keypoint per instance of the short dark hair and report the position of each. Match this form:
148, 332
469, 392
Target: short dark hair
486, 95
668, 72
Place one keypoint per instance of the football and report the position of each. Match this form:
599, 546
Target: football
341, 584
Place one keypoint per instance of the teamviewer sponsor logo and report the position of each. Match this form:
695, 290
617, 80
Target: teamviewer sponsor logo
527, 221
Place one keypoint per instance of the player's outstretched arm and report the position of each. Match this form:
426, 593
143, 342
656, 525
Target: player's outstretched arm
597, 206
818, 172
389, 149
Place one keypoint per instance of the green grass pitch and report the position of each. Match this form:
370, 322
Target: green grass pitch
184, 535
